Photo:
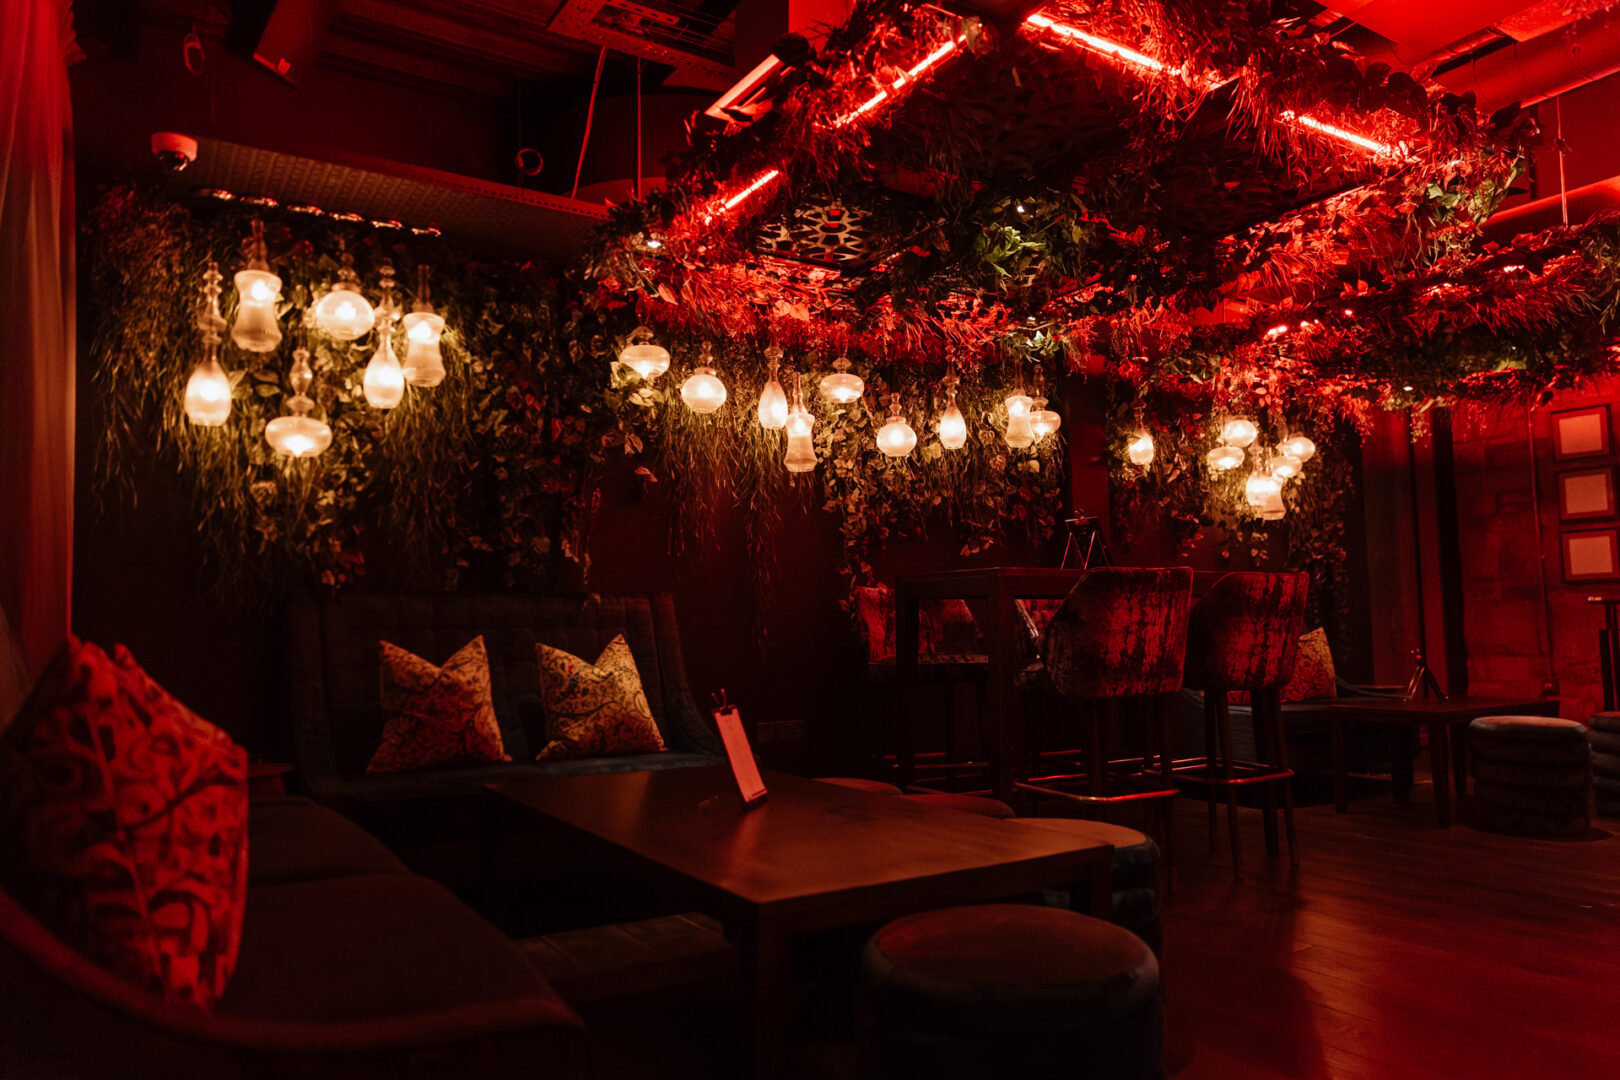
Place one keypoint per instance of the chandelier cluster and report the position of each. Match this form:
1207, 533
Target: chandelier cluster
345, 315
1028, 419
1272, 468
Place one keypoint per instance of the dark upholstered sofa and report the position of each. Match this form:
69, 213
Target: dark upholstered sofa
333, 655
350, 967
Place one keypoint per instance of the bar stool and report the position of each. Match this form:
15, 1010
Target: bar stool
1243, 634
1119, 636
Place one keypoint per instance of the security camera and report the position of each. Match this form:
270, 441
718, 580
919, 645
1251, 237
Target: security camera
174, 151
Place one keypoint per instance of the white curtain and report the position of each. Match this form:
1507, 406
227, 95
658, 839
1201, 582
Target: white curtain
36, 338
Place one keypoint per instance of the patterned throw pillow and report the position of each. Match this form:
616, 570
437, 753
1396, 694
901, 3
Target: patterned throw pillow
437, 716
594, 710
125, 825
1313, 675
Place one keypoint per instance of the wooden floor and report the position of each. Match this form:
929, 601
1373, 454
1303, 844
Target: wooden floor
1396, 950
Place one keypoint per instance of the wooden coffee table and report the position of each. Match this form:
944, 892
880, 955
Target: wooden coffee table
813, 857
1448, 750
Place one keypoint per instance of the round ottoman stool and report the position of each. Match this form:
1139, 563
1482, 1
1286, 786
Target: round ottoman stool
969, 804
1603, 736
856, 783
1533, 775
1009, 990
1135, 878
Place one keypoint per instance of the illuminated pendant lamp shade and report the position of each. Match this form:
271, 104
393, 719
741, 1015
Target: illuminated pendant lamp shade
801, 448
1019, 433
257, 290
1239, 431
1274, 509
773, 402
208, 391
703, 391
1298, 446
952, 425
644, 358
1140, 448
344, 314
1043, 421
842, 387
1261, 488
1225, 458
424, 363
1286, 466
895, 438
299, 435
384, 380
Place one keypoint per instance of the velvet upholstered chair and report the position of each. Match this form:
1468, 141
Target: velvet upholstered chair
1111, 654
1243, 636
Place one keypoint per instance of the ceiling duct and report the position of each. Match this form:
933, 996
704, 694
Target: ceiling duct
698, 44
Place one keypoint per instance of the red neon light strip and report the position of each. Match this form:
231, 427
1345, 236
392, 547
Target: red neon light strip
1115, 51
759, 182
881, 96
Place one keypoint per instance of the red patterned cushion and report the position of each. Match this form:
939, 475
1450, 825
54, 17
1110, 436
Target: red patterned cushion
437, 716
126, 824
1313, 677
595, 710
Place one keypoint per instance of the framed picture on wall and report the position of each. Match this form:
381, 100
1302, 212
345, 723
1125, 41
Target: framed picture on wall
1581, 433
1592, 555
1586, 493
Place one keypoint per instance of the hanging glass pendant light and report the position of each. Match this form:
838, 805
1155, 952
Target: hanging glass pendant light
1140, 449
424, 363
896, 438
842, 387
1298, 446
1274, 509
1043, 421
773, 403
1261, 487
384, 380
1285, 466
644, 358
344, 314
299, 435
1225, 458
801, 448
257, 290
1019, 434
952, 425
703, 391
1239, 431
208, 391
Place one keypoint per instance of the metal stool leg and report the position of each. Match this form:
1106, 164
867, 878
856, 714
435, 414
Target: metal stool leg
1231, 788
1260, 713
1211, 755
1280, 738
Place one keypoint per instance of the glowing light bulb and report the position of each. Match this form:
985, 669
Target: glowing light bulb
952, 428
1019, 433
643, 357
801, 449
1298, 446
298, 434
842, 387
1043, 421
896, 438
1140, 449
1285, 466
1260, 488
343, 313
1225, 458
1239, 431
256, 329
773, 407
208, 392
703, 391
384, 380
424, 363
1273, 509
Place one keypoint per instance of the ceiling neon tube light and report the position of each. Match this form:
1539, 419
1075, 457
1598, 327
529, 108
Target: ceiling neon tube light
760, 181
916, 71
1115, 51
